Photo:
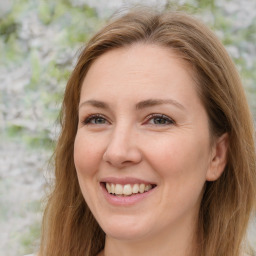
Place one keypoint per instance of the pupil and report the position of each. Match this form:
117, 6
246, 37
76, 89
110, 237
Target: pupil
159, 120
99, 120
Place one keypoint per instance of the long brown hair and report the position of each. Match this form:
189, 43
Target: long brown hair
69, 228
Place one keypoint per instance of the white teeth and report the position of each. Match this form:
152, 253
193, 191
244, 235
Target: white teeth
148, 187
108, 187
118, 189
112, 188
127, 189
135, 188
142, 188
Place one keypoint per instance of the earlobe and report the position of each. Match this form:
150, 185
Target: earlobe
218, 159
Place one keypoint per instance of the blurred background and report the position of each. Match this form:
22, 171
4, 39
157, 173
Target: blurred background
39, 45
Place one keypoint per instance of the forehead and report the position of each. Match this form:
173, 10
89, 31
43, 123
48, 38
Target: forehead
140, 72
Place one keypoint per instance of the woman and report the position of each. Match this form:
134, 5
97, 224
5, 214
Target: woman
156, 154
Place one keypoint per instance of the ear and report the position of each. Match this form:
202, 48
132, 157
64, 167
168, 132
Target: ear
218, 159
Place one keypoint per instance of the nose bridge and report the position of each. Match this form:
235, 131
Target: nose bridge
122, 148
121, 132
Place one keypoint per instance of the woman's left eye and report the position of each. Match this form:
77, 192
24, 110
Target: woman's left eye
160, 119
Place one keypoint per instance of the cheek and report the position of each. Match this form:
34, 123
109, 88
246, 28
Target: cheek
87, 155
182, 162
87, 158
172, 153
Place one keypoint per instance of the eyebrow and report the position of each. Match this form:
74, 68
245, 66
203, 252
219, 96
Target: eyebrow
140, 105
95, 103
156, 102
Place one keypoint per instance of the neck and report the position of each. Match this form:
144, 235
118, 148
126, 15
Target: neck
179, 242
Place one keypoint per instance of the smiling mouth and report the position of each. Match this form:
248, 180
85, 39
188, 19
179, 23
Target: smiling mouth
127, 189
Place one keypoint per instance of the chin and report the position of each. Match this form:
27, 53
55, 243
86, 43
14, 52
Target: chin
125, 234
125, 229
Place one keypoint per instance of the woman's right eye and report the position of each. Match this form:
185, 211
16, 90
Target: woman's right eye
95, 120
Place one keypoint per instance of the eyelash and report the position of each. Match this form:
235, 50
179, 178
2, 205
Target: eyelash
167, 119
89, 118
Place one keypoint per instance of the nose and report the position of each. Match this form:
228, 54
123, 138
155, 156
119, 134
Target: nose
122, 149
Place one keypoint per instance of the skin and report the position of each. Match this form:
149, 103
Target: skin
172, 151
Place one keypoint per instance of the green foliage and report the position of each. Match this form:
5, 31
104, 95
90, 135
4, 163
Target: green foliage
15, 130
36, 67
42, 36
7, 27
45, 12
27, 240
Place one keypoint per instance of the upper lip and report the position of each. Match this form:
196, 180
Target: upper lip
126, 180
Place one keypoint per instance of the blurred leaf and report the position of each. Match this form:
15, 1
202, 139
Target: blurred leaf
30, 237
45, 12
36, 68
15, 130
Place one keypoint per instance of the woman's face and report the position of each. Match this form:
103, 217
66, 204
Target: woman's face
143, 135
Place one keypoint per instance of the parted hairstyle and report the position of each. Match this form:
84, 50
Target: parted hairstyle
69, 227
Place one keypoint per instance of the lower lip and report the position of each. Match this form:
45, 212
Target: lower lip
125, 200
